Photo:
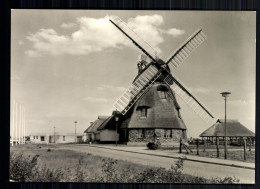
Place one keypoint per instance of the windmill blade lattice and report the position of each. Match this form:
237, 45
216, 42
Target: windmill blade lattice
152, 72
186, 48
189, 99
137, 89
138, 41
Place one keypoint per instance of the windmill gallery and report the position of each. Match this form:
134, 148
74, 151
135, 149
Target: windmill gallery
148, 110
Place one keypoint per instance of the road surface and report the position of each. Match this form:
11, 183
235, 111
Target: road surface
201, 169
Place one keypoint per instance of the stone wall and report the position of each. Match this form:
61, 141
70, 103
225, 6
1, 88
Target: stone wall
147, 135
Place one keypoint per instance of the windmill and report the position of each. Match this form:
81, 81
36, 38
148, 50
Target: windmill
159, 68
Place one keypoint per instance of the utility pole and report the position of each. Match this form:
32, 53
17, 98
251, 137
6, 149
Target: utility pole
75, 131
225, 95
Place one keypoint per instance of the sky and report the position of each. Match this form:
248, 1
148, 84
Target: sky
72, 65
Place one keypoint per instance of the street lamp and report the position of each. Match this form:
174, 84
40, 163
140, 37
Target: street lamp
116, 118
54, 135
75, 131
225, 95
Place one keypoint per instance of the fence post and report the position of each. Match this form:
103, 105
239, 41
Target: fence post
198, 147
244, 149
204, 150
250, 144
180, 145
217, 146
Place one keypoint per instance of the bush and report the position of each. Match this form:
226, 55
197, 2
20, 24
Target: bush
26, 169
21, 168
153, 146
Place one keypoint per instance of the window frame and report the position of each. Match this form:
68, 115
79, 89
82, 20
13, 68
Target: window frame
42, 138
140, 133
162, 94
165, 133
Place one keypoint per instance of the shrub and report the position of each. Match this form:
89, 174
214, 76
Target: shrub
152, 145
21, 168
26, 169
44, 174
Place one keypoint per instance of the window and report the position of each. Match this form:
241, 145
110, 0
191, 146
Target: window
33, 137
140, 133
143, 112
36, 137
162, 94
167, 133
42, 138
162, 90
63, 138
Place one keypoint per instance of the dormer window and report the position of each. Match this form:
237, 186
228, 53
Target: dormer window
162, 90
142, 111
162, 94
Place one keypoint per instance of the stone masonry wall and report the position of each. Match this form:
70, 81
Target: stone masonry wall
148, 135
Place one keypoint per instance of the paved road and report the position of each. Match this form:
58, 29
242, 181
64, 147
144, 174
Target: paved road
191, 167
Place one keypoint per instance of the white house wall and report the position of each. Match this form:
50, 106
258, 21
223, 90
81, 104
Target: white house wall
58, 139
108, 135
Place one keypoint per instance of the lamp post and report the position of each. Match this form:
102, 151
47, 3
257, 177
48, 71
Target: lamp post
116, 118
225, 95
54, 134
75, 131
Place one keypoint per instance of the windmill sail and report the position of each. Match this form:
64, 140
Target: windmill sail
138, 41
137, 89
186, 48
188, 98
148, 77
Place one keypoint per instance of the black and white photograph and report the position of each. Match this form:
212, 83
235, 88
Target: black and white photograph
132, 96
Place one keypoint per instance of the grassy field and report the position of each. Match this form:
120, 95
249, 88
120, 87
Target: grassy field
234, 152
48, 163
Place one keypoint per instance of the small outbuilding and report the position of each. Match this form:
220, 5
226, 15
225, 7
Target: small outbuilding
92, 134
46, 138
235, 131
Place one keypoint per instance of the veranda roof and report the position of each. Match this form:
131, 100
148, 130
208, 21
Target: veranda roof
234, 129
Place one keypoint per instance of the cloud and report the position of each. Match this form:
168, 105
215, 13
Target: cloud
67, 25
93, 99
20, 42
200, 90
32, 53
111, 88
174, 32
95, 35
240, 102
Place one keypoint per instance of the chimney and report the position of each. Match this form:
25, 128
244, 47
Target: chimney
141, 64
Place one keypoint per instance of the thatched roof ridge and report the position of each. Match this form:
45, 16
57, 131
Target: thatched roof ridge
93, 127
161, 113
108, 123
234, 129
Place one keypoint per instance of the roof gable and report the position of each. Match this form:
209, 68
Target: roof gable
93, 127
234, 128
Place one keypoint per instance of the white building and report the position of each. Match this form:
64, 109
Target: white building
58, 138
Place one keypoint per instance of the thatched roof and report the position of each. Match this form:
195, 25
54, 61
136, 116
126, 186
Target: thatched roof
93, 127
109, 123
234, 129
161, 113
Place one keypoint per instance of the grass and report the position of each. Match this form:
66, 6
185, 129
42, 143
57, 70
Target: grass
48, 163
234, 152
